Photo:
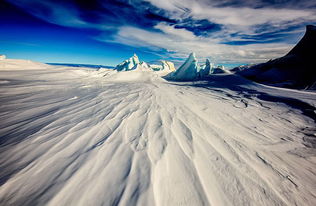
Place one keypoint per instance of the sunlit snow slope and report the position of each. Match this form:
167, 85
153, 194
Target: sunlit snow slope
76, 136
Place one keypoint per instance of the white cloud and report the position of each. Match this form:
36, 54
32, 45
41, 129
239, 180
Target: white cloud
181, 42
249, 16
56, 13
181, 33
231, 16
243, 21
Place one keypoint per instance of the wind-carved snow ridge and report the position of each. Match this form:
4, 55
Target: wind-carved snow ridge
74, 136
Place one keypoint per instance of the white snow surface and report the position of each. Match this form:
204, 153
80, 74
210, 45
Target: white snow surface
77, 136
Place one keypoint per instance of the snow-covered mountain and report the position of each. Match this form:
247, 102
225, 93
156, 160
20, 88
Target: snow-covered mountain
294, 70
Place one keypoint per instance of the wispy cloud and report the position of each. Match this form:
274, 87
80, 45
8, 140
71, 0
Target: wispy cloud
181, 42
225, 31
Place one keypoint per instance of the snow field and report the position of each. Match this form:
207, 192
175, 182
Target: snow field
76, 136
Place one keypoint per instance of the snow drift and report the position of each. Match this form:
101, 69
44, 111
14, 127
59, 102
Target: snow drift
71, 136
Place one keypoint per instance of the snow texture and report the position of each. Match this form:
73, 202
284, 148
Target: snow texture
78, 136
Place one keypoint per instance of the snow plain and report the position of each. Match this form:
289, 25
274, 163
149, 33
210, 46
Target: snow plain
77, 136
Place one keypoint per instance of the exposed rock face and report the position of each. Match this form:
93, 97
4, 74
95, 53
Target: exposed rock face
297, 69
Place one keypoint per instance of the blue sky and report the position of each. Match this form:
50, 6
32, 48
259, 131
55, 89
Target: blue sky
107, 32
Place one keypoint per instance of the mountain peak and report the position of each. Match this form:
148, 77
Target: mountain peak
310, 28
192, 55
305, 47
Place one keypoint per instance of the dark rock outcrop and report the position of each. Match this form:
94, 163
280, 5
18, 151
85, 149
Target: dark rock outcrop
297, 69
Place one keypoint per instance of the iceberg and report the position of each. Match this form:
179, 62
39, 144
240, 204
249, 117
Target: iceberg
168, 66
165, 66
129, 64
156, 67
205, 69
144, 64
189, 70
134, 63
